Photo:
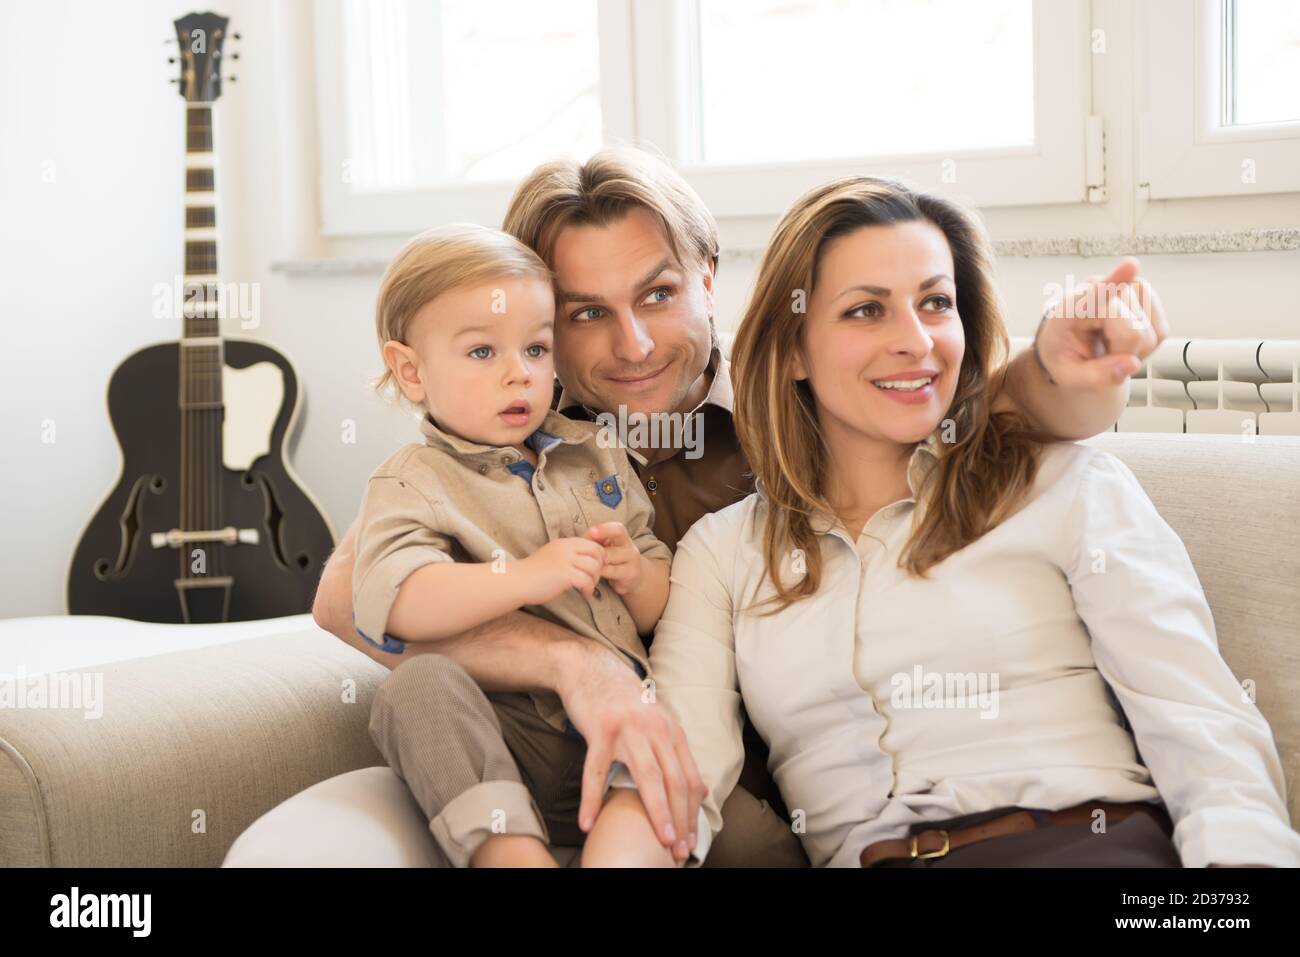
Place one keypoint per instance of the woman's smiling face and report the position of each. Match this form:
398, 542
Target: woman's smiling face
882, 342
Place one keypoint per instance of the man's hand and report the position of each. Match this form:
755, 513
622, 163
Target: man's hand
603, 699
622, 567
1098, 336
560, 565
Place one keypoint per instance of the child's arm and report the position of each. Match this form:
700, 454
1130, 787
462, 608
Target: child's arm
446, 598
641, 581
406, 582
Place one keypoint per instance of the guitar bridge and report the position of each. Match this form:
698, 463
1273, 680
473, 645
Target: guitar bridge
223, 536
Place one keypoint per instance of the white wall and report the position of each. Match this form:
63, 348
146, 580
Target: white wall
85, 88
91, 141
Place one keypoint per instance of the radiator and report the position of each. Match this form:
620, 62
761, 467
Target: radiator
1226, 386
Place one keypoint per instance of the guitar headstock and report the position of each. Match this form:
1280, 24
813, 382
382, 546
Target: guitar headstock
201, 38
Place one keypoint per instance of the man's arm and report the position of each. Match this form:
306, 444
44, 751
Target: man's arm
1074, 382
602, 696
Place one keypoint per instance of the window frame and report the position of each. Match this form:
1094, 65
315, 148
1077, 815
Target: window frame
1183, 151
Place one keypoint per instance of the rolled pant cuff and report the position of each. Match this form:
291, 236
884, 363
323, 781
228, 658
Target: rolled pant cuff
488, 808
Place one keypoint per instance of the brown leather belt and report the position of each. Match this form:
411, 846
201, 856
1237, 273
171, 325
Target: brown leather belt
936, 842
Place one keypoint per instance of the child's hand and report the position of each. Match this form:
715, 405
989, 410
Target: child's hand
622, 565
560, 565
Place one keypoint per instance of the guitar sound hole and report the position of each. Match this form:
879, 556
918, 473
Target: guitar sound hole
274, 519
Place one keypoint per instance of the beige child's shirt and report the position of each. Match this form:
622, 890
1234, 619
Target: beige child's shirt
455, 500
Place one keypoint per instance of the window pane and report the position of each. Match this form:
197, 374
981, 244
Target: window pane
1266, 59
813, 79
467, 89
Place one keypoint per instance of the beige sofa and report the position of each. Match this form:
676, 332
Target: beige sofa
256, 751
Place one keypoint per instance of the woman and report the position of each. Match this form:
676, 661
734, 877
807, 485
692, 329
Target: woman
961, 646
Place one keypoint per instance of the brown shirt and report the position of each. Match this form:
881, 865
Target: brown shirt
683, 489
450, 499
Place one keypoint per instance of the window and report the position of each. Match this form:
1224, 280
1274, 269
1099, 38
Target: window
431, 110
768, 69
1224, 120
1261, 62
433, 93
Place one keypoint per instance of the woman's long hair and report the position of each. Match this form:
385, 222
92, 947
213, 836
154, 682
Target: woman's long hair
980, 475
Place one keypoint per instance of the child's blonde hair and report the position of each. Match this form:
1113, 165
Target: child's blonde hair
439, 260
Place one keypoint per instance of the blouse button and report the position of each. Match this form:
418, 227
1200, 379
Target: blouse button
651, 485
596, 593
482, 470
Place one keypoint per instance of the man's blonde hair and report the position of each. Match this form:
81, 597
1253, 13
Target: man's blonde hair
437, 261
601, 191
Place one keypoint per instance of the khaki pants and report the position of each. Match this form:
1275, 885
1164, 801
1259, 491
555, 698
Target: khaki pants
479, 764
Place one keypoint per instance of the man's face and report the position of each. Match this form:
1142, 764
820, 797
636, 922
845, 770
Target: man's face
631, 322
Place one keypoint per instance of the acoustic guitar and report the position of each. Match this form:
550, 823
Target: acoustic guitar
207, 523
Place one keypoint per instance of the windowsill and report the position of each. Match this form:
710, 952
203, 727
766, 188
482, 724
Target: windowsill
1153, 244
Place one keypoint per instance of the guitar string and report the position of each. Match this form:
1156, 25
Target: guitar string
184, 396
182, 387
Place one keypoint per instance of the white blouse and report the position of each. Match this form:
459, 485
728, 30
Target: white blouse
888, 700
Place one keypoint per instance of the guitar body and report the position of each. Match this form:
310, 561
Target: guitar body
120, 569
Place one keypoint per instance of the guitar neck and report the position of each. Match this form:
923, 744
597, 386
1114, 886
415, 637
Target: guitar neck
201, 349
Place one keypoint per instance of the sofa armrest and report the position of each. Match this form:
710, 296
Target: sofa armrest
191, 747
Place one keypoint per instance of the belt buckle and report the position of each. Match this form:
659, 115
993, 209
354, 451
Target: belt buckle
928, 854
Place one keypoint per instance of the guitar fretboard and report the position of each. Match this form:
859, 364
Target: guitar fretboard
201, 351
198, 129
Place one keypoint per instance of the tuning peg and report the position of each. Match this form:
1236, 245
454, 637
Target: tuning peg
171, 59
234, 56
236, 36
232, 79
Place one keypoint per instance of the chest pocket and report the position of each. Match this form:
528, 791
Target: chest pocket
601, 500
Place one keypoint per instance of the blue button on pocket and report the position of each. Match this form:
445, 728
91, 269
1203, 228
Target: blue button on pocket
608, 491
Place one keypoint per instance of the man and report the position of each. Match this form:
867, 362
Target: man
635, 252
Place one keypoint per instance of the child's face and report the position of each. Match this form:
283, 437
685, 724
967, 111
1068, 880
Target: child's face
479, 359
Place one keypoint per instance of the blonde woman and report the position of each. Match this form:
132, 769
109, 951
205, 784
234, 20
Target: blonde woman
963, 648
